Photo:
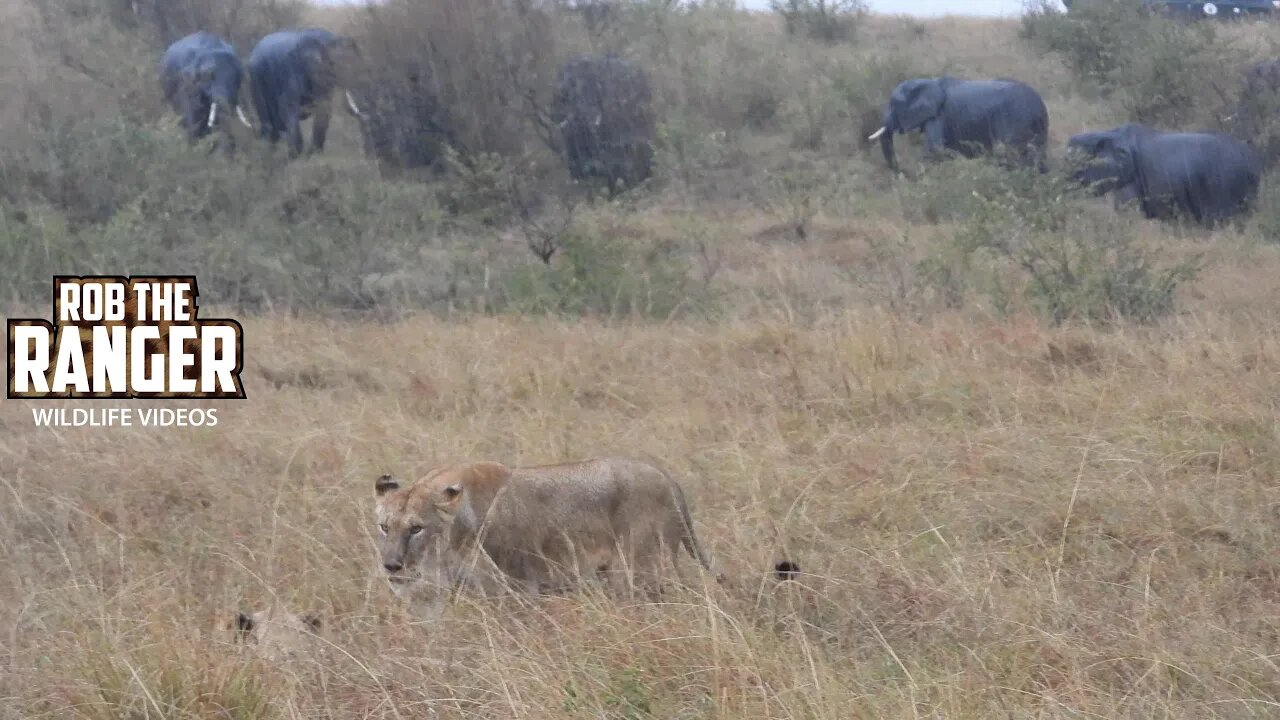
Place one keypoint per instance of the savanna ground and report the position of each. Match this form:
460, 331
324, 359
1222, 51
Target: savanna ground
1022, 446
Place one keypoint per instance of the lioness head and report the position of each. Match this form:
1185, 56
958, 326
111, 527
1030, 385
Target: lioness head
414, 522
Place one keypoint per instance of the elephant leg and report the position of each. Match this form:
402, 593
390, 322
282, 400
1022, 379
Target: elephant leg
320, 123
227, 143
294, 131
1125, 195
934, 142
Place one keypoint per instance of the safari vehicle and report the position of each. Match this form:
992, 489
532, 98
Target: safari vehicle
1192, 9
1218, 9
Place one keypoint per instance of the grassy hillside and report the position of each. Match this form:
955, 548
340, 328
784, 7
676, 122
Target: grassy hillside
1022, 446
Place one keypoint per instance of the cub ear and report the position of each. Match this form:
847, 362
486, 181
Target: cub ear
385, 484
448, 507
244, 624
786, 570
312, 622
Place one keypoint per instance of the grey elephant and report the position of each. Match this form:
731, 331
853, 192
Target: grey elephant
200, 76
1209, 177
603, 110
969, 117
1256, 117
405, 127
294, 74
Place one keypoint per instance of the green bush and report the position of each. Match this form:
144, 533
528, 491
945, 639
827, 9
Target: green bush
600, 274
1091, 39
479, 190
312, 234
954, 189
1035, 238
1162, 71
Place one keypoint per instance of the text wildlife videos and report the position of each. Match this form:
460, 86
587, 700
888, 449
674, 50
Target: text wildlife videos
118, 337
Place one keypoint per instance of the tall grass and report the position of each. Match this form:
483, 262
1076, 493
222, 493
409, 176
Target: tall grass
1007, 499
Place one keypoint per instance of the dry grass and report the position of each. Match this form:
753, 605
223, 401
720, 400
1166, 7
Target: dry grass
995, 519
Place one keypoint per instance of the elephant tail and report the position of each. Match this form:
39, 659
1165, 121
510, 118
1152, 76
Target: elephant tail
1040, 141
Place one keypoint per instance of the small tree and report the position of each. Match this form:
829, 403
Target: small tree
830, 21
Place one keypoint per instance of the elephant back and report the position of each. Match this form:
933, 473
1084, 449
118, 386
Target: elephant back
610, 97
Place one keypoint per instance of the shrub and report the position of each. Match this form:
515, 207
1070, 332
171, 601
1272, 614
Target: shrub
1266, 216
953, 189
1090, 39
242, 22
827, 20
487, 64
796, 193
1033, 236
1162, 71
1175, 78
479, 190
601, 274
1256, 114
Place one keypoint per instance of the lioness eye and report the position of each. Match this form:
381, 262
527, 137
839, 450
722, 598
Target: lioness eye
415, 529
383, 528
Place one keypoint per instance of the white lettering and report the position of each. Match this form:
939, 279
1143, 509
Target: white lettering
30, 365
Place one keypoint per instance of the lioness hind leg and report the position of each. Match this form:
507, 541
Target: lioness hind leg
650, 569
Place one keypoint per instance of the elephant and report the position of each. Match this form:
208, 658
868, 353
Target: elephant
969, 117
1256, 117
1209, 177
403, 124
603, 110
200, 76
294, 74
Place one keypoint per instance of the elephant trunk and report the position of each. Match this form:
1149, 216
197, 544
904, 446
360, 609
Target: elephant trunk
886, 140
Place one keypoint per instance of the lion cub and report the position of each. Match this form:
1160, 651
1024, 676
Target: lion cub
486, 524
277, 633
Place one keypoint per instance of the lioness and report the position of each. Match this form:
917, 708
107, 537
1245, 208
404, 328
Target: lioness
536, 526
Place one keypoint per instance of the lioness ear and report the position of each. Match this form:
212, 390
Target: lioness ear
385, 484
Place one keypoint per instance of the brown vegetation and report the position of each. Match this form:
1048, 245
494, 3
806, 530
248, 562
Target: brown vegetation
1015, 487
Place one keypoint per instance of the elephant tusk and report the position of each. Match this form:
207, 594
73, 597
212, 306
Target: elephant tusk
243, 119
213, 113
876, 135
351, 103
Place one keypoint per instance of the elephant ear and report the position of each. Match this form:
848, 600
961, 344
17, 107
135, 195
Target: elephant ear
315, 57
1120, 150
345, 45
1120, 147
923, 102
